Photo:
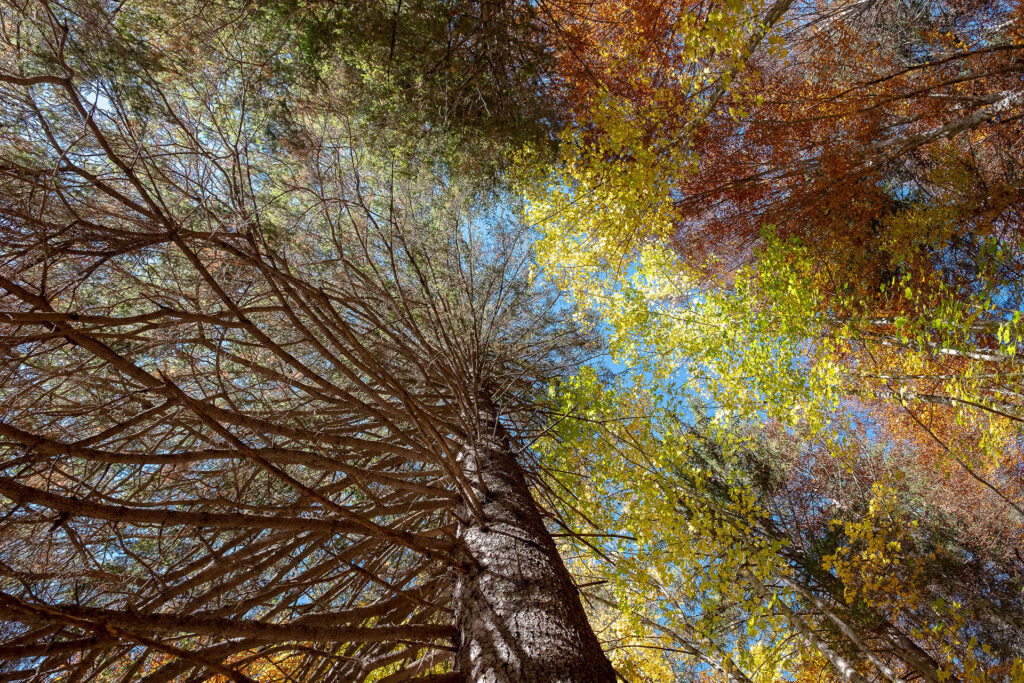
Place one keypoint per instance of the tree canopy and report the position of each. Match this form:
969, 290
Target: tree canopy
511, 341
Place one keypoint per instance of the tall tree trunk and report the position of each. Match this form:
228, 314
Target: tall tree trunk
518, 612
842, 665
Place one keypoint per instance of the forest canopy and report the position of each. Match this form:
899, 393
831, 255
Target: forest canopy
494, 340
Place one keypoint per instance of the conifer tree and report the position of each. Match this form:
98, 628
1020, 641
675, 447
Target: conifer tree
267, 394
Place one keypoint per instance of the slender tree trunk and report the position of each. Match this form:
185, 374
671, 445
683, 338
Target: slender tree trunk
848, 631
842, 666
717, 658
517, 610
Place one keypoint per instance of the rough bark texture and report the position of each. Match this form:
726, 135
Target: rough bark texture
518, 612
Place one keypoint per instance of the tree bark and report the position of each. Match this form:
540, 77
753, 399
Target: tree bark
518, 611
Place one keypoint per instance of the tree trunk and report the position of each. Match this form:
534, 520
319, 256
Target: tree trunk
843, 666
517, 609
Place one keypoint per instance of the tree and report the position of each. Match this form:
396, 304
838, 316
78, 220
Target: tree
752, 554
469, 80
805, 216
267, 395
873, 138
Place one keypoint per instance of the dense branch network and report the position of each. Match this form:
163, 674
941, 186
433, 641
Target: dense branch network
240, 370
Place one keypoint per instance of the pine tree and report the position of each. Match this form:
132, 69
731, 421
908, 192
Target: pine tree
267, 394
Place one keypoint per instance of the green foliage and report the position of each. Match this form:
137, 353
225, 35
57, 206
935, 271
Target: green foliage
459, 83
